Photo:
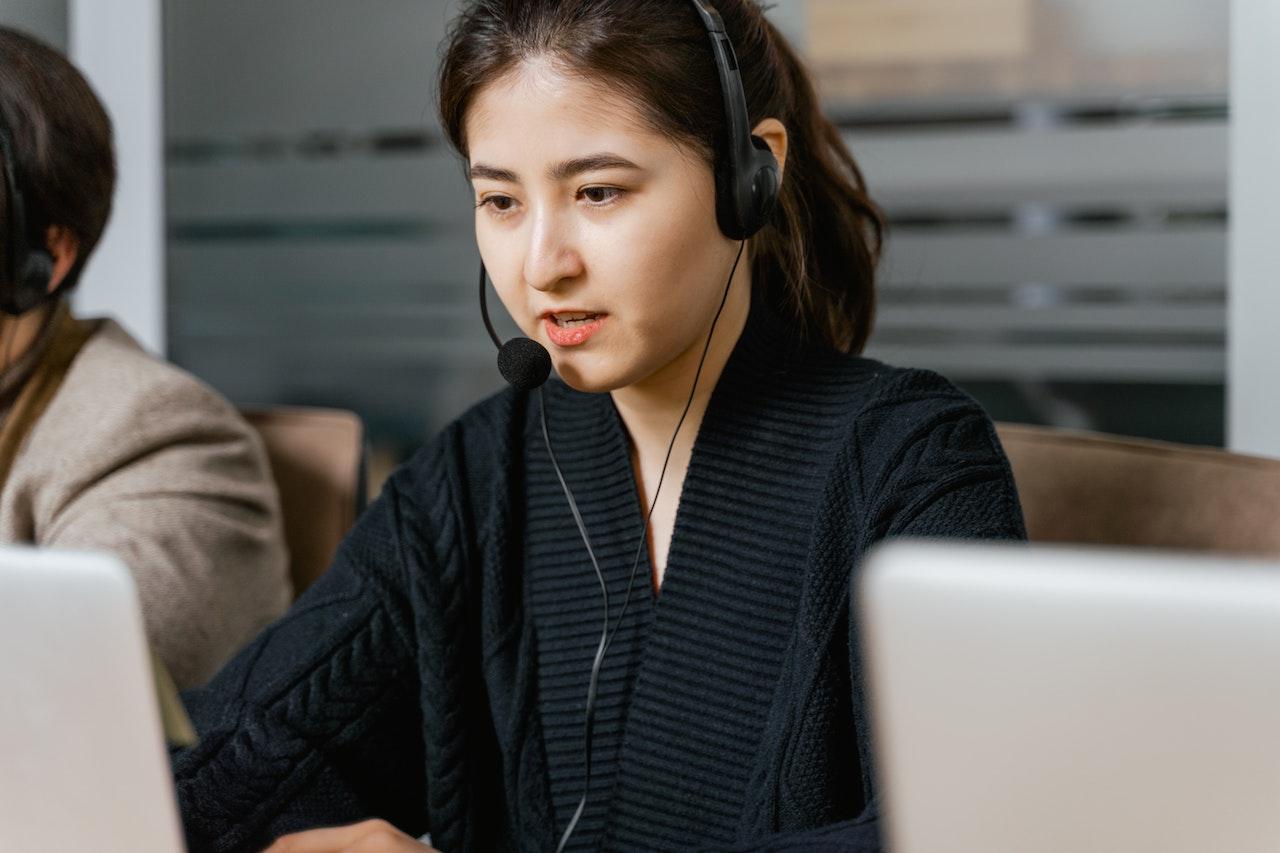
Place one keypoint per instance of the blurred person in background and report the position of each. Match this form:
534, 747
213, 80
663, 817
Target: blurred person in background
103, 446
436, 678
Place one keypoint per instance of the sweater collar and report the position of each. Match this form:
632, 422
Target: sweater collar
738, 553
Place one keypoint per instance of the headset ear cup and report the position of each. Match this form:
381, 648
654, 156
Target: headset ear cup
765, 185
33, 280
765, 190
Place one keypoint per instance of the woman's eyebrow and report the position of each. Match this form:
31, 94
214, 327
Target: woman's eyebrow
590, 163
493, 173
560, 172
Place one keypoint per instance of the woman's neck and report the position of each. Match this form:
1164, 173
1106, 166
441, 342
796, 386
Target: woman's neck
651, 409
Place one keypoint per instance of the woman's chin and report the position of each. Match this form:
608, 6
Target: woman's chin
587, 386
589, 379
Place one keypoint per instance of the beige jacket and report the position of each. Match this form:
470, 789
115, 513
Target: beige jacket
135, 457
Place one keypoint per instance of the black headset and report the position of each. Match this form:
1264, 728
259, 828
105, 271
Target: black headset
747, 178
24, 281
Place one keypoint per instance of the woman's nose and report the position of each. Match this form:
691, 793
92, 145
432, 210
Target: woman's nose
553, 256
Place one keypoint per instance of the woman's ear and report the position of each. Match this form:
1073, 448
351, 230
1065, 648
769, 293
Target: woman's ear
774, 133
65, 249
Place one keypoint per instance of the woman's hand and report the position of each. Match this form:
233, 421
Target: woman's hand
370, 836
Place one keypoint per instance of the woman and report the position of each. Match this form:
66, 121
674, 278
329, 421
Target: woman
435, 680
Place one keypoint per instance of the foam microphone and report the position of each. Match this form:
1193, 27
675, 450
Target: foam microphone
523, 362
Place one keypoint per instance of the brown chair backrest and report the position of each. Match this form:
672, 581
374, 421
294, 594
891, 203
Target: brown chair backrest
318, 460
1090, 488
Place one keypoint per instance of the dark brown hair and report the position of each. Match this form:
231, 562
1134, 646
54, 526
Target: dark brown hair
817, 258
62, 144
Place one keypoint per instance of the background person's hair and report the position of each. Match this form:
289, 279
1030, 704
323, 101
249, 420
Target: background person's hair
62, 144
817, 259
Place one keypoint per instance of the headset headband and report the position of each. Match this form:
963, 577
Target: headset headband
16, 226
748, 182
24, 283
735, 97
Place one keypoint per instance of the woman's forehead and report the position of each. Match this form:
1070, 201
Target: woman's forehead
539, 110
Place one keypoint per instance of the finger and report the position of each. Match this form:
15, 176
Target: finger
387, 839
331, 840
388, 843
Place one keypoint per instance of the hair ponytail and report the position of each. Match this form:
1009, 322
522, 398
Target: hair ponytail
819, 256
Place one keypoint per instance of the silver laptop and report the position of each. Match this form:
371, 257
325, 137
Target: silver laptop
1035, 700
82, 758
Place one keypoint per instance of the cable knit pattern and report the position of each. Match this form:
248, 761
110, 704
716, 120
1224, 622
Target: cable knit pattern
436, 675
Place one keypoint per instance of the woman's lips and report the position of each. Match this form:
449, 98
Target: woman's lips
575, 335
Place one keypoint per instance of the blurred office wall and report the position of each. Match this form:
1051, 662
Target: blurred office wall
45, 19
1055, 172
320, 232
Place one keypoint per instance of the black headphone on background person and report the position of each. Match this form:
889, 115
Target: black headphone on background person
747, 184
24, 281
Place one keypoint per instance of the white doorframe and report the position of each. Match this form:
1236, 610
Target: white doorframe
1253, 320
118, 47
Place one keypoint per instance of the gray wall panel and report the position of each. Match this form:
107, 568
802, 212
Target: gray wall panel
45, 19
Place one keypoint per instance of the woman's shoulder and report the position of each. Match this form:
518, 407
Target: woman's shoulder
905, 414
911, 388
875, 389
930, 462
474, 450
485, 429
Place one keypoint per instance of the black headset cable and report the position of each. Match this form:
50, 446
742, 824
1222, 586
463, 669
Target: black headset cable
607, 635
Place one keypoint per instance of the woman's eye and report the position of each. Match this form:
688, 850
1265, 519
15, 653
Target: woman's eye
601, 195
499, 203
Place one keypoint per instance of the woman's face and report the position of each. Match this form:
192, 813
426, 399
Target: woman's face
599, 233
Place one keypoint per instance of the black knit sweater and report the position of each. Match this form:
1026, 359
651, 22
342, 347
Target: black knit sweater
436, 675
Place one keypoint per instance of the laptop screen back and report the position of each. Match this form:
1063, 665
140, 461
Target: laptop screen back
82, 759
1034, 699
